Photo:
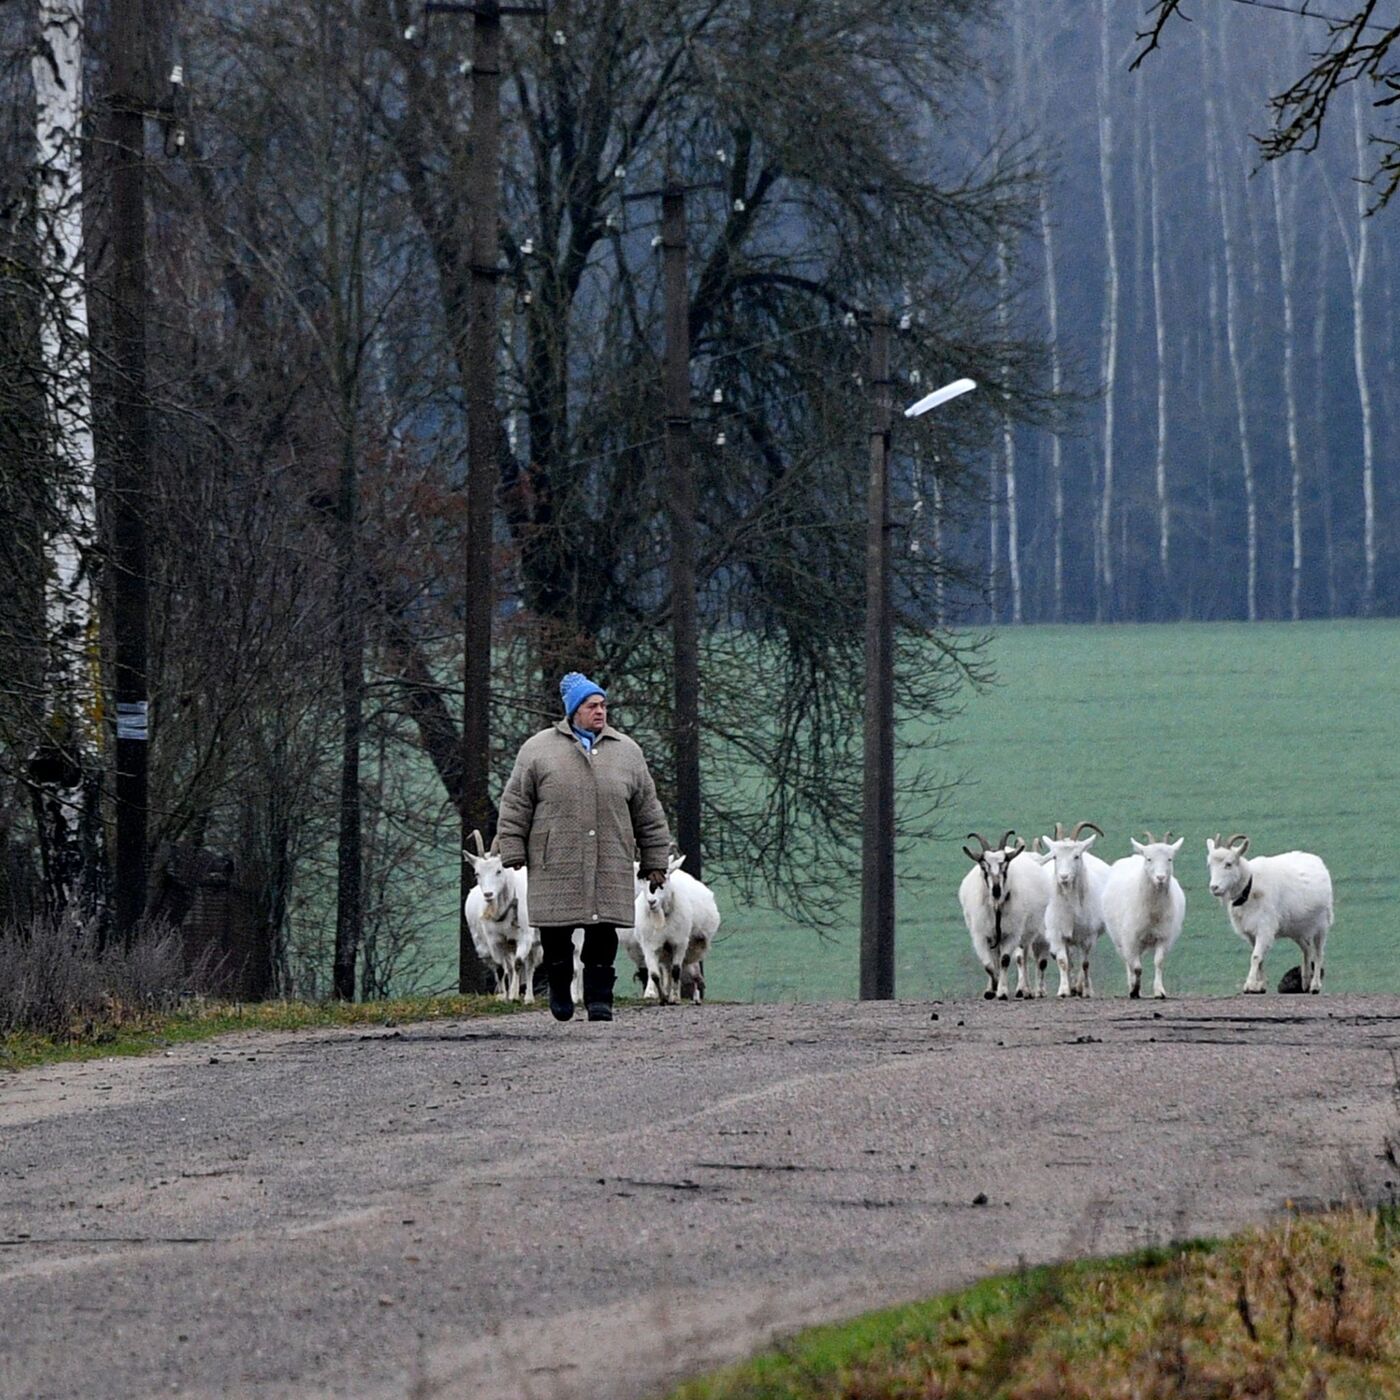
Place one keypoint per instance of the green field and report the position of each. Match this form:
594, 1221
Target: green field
1290, 732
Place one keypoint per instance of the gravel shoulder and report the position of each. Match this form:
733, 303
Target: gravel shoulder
514, 1208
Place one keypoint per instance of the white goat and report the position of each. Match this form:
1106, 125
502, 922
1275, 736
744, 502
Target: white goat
675, 920
1269, 897
1144, 908
1074, 915
1003, 903
498, 916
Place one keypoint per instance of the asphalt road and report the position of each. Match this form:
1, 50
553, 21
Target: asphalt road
514, 1208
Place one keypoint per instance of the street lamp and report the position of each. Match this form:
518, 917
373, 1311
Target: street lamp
940, 396
877, 827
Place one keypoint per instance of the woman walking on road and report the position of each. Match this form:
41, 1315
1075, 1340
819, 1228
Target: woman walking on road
580, 801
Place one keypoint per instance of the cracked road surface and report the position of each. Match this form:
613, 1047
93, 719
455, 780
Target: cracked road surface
514, 1208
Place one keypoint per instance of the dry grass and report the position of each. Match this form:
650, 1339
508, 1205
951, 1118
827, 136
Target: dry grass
131, 1030
1306, 1310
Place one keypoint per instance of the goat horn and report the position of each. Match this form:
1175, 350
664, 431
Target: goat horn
977, 836
476, 838
1239, 836
1006, 836
1151, 839
1080, 827
1017, 848
495, 846
1059, 831
1167, 839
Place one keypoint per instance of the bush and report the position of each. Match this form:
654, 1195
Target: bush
57, 980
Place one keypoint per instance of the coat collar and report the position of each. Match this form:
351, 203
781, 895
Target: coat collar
567, 730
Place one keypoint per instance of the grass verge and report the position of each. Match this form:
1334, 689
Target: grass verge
140, 1032
1308, 1309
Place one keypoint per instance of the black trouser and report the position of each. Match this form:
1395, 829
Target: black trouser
599, 944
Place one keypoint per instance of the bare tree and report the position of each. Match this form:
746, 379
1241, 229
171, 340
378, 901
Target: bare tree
1359, 47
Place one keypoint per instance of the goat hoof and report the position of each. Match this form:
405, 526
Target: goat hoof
1134, 993
988, 995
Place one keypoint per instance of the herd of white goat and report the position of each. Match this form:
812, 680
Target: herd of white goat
1058, 900
674, 919
1023, 907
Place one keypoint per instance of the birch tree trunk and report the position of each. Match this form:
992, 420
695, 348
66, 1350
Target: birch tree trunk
1008, 439
1164, 523
1057, 451
1321, 448
1104, 606
1360, 255
1215, 162
67, 767
1285, 216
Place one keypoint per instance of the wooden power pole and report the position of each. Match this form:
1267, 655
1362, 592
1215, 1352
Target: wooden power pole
483, 439
681, 500
127, 104
877, 826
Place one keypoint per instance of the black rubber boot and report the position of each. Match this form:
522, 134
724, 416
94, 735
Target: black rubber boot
561, 989
598, 991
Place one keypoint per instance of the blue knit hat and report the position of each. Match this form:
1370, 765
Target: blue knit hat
574, 689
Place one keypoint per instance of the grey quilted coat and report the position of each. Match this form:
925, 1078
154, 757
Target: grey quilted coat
576, 818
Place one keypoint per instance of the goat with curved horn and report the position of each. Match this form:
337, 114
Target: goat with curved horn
977, 855
476, 841
1005, 837
1079, 826
1242, 839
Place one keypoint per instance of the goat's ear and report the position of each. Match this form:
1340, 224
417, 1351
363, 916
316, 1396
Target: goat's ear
1176, 845
1087, 842
467, 856
1210, 845
1137, 849
972, 855
675, 862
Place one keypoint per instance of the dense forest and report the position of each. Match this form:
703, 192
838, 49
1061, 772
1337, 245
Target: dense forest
1233, 316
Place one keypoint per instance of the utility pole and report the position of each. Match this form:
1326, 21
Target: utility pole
127, 105
681, 499
483, 440
877, 826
